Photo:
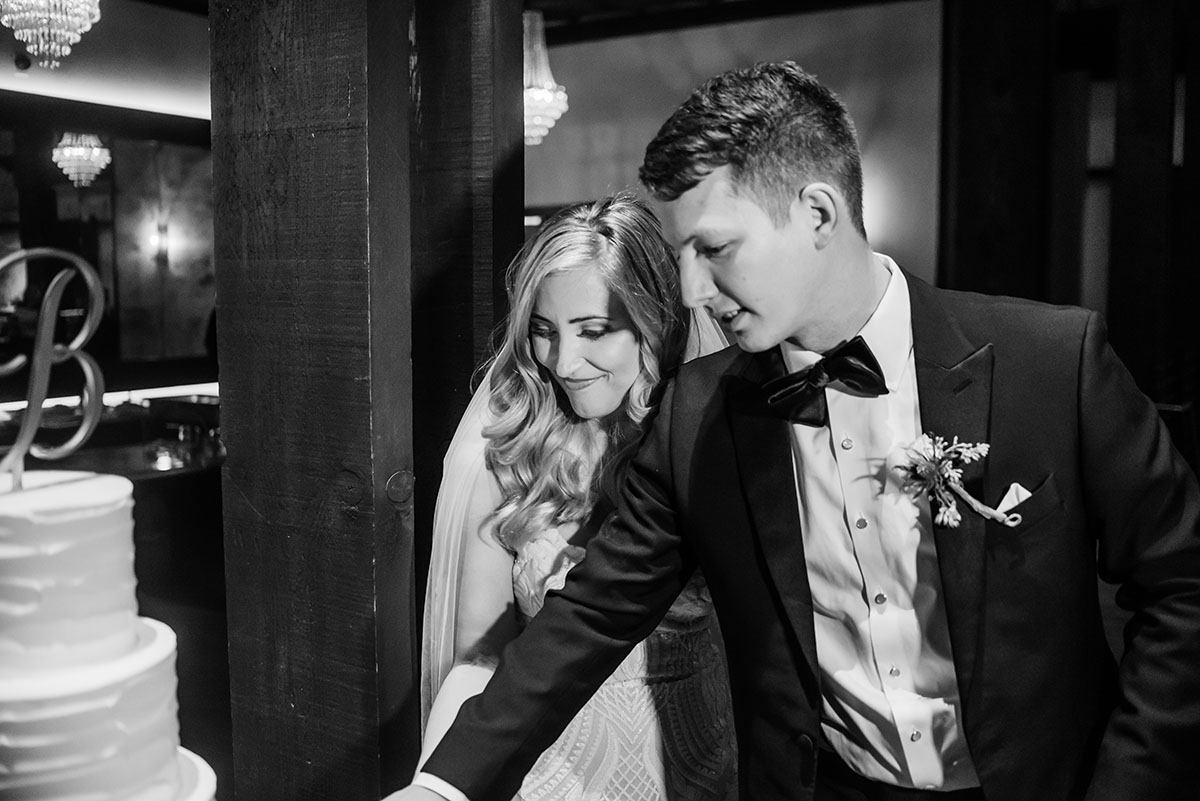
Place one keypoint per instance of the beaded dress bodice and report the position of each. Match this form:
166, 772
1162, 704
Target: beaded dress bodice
660, 728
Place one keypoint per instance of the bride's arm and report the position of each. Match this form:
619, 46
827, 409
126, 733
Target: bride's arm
487, 618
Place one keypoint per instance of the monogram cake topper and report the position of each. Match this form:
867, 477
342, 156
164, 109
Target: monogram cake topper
47, 353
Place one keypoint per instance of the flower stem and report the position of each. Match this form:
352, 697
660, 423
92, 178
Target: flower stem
1010, 520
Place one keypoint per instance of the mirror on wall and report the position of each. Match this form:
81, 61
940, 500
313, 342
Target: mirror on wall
145, 223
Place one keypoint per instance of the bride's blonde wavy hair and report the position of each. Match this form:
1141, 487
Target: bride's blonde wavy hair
548, 461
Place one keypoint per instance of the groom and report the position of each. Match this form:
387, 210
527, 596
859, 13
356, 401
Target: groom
881, 645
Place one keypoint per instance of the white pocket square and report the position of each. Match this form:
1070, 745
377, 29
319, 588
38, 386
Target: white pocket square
1015, 495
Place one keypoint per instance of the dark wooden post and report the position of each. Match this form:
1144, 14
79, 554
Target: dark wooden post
1187, 233
995, 127
332, 225
468, 187
1140, 286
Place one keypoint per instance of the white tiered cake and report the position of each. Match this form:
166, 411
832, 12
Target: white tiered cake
87, 688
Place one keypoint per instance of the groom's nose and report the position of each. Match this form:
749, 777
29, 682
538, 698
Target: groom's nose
695, 282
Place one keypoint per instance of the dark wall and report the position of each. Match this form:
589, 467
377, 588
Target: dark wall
32, 125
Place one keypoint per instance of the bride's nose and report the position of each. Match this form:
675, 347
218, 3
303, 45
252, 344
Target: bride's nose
567, 357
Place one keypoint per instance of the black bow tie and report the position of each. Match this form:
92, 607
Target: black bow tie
800, 396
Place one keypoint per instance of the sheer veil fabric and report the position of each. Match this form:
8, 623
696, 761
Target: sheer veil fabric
462, 469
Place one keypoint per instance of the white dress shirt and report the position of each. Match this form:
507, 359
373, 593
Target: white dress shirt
890, 697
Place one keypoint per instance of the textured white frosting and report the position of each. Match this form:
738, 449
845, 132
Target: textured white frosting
87, 689
66, 570
108, 732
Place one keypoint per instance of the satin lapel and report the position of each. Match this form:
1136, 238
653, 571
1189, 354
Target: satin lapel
954, 385
764, 459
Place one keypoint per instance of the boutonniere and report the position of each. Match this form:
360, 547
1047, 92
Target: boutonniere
935, 468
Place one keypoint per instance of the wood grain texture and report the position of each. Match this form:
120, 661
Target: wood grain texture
1186, 236
468, 162
995, 132
1140, 287
290, 122
1068, 183
355, 154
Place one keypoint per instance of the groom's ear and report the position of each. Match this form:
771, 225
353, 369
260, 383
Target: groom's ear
820, 211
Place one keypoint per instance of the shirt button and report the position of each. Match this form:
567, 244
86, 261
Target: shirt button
881, 597
915, 736
894, 672
860, 522
847, 443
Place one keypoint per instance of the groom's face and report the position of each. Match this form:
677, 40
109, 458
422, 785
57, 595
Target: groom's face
753, 275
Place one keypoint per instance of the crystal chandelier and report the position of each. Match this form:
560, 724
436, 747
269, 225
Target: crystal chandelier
81, 157
49, 27
545, 100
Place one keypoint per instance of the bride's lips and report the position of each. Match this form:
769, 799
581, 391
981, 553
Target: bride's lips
576, 384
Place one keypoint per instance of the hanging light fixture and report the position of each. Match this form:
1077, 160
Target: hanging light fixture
81, 157
49, 27
545, 100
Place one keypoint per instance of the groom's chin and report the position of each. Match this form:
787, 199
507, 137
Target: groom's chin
752, 344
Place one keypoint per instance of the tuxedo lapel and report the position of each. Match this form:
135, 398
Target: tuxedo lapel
764, 459
954, 386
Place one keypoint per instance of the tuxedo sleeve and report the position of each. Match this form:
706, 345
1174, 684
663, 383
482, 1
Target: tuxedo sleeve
635, 567
1143, 501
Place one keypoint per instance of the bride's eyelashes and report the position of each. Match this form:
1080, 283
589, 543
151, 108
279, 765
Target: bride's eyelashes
542, 332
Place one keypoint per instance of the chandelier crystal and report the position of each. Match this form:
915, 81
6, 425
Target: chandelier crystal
545, 100
49, 27
81, 157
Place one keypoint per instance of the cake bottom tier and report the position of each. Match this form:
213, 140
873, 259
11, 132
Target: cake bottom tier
108, 732
197, 782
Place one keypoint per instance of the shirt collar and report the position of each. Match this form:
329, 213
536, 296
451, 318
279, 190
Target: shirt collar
888, 331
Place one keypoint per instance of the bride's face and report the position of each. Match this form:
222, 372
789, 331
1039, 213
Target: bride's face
584, 337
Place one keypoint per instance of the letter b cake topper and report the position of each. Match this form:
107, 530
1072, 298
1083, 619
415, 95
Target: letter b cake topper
47, 353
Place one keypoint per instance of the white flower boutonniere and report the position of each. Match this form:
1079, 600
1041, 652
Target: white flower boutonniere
935, 468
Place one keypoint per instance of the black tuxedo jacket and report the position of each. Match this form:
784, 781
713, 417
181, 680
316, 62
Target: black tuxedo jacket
1047, 712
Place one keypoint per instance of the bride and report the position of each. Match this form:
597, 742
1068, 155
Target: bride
595, 327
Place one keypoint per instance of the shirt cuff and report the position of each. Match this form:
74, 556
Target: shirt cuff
439, 786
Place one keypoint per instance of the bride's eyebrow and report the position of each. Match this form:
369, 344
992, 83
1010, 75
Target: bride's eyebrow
587, 318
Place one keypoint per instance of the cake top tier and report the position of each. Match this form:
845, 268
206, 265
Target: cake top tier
67, 584
60, 491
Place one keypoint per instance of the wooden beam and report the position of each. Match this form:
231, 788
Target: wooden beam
993, 233
570, 21
358, 206
1187, 233
19, 110
468, 224
1067, 184
1140, 291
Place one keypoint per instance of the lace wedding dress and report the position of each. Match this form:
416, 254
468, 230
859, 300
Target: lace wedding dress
660, 728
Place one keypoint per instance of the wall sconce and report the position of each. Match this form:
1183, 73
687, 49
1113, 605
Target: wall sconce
545, 100
160, 242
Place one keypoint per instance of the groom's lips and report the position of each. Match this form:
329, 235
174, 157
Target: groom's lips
728, 318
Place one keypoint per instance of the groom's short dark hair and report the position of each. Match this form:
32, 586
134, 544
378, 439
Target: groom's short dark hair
773, 124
